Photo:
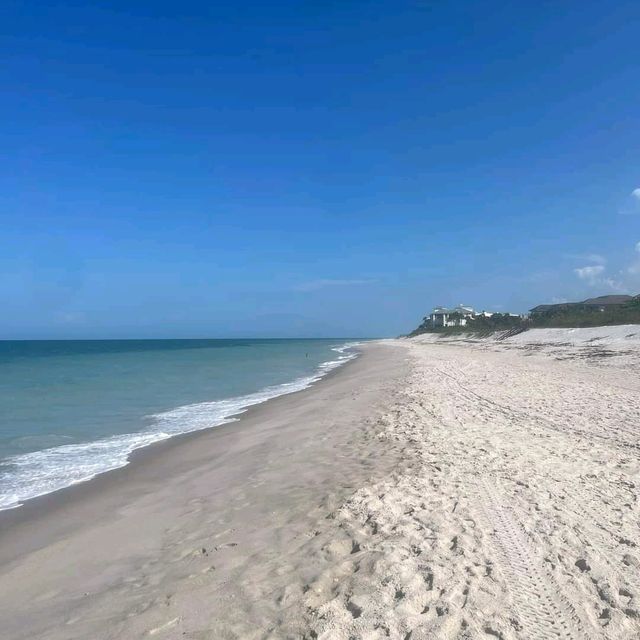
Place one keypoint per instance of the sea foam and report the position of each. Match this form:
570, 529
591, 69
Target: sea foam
38, 473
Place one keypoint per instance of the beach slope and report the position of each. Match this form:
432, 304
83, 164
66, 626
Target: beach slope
433, 488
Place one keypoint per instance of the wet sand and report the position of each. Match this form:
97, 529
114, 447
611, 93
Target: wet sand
431, 489
196, 525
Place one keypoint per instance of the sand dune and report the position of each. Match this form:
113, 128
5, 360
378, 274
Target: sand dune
518, 515
434, 489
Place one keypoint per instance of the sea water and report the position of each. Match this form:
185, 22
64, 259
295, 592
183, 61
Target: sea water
70, 410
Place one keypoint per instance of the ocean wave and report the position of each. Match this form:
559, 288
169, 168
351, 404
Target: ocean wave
34, 474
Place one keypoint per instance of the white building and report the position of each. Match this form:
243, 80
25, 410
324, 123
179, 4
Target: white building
456, 317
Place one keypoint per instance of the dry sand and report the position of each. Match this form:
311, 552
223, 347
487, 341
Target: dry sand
431, 489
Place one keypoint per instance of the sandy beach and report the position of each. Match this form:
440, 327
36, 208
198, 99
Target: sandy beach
432, 488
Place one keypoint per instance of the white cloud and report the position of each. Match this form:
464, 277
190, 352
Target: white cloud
624, 280
613, 285
634, 268
632, 206
589, 273
594, 276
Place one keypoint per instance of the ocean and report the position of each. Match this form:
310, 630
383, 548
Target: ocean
70, 410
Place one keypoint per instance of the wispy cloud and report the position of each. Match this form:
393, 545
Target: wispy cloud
597, 273
589, 273
315, 285
594, 258
594, 276
614, 285
69, 317
633, 207
544, 275
634, 268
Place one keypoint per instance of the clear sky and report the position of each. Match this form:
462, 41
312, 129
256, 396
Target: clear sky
311, 168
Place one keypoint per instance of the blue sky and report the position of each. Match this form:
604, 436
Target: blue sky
311, 168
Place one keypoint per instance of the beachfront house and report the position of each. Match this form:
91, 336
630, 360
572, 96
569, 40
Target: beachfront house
463, 316
456, 317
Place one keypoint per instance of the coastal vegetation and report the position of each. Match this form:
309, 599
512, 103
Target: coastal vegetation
481, 324
594, 312
621, 310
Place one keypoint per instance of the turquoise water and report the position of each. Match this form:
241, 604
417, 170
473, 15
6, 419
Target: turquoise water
72, 409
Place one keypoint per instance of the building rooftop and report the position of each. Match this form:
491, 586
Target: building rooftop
459, 309
600, 301
606, 300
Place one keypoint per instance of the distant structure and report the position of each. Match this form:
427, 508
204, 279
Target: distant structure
601, 303
459, 316
456, 317
464, 316
594, 312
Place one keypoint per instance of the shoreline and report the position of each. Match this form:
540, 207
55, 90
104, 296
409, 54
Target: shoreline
195, 515
321, 373
40, 507
430, 489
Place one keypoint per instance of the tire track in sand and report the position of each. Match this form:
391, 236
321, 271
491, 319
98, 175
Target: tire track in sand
542, 610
